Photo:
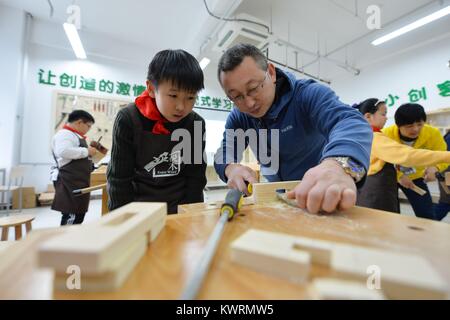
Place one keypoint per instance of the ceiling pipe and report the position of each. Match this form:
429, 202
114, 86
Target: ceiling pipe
299, 71
325, 57
372, 32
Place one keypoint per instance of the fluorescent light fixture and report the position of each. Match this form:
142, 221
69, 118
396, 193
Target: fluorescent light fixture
412, 26
204, 63
75, 41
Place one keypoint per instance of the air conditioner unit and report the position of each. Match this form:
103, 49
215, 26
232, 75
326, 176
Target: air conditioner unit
241, 32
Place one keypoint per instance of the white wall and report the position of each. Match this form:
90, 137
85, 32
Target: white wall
12, 25
423, 66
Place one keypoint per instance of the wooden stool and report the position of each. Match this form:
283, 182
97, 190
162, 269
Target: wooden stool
16, 222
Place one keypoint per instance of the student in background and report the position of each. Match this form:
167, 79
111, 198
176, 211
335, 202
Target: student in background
73, 167
144, 165
380, 190
410, 129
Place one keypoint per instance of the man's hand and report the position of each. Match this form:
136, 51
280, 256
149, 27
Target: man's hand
430, 174
91, 151
325, 187
406, 182
238, 175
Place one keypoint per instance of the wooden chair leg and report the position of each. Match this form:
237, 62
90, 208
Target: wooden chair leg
18, 232
5, 232
28, 226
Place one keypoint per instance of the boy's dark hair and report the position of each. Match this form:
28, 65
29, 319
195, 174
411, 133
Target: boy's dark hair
178, 67
369, 106
234, 56
409, 113
80, 115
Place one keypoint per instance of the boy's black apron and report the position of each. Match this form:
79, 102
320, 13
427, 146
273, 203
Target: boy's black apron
74, 175
159, 172
380, 191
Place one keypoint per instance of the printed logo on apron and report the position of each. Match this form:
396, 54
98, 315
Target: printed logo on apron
165, 165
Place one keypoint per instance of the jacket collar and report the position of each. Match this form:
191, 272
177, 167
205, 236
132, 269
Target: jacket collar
284, 99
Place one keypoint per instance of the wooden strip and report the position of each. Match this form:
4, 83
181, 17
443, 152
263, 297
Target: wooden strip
418, 190
266, 192
334, 289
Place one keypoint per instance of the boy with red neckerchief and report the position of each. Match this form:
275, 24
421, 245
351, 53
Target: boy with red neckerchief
146, 164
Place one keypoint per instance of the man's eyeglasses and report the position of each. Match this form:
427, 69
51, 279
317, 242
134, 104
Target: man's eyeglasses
251, 92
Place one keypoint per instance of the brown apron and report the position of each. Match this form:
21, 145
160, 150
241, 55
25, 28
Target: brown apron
380, 191
74, 175
159, 173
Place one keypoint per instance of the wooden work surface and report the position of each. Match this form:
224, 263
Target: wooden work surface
99, 177
163, 271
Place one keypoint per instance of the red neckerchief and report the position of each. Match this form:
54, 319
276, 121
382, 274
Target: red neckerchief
375, 129
147, 107
74, 130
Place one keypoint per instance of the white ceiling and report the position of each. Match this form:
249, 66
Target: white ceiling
151, 23
335, 23
156, 25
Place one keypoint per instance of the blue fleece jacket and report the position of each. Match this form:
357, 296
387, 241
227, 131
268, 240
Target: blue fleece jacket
313, 125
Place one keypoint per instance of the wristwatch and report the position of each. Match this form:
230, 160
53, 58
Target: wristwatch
351, 167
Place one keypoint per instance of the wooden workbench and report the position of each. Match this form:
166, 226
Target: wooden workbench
163, 271
99, 177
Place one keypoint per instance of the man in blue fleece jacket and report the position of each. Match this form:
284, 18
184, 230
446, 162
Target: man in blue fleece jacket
319, 140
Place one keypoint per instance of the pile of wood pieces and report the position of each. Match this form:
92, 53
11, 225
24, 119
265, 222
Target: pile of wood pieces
102, 253
358, 272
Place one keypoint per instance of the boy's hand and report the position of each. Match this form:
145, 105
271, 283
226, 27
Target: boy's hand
92, 151
430, 174
325, 187
238, 175
406, 182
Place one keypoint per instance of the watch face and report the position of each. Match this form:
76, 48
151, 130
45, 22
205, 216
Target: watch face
405, 170
355, 167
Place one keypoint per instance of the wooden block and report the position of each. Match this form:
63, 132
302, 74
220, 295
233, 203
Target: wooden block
321, 252
96, 246
112, 279
156, 229
334, 289
46, 198
266, 192
447, 178
255, 249
20, 277
418, 190
403, 276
